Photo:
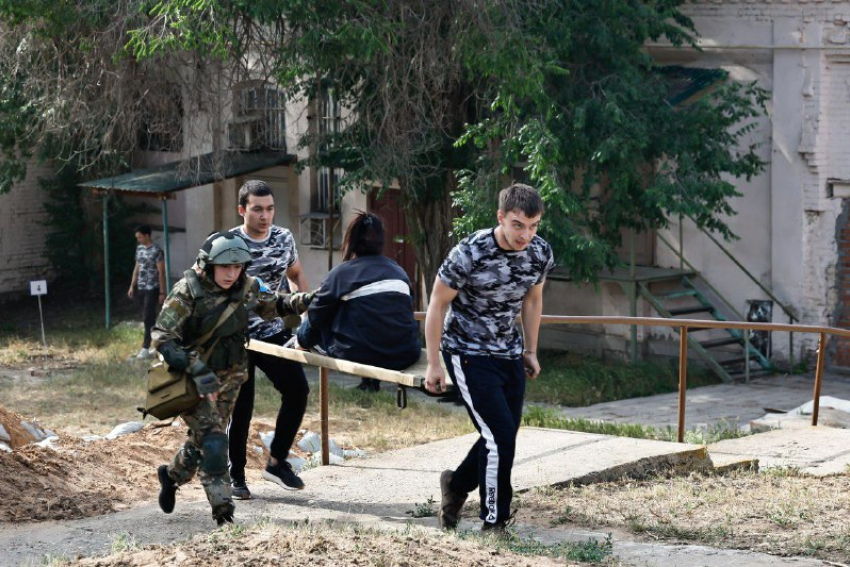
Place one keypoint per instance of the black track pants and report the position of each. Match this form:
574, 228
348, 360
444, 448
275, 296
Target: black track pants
492, 390
289, 379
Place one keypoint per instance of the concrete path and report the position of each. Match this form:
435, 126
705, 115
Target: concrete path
545, 457
382, 490
814, 450
734, 403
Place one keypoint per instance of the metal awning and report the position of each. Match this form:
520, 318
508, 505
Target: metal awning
685, 82
184, 174
162, 181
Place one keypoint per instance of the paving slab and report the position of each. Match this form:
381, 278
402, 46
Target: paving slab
814, 450
545, 457
737, 403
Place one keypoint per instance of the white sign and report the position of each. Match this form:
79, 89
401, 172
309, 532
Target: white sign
38, 287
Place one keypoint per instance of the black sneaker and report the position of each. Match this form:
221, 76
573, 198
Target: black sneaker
239, 490
167, 490
223, 513
499, 529
448, 516
282, 474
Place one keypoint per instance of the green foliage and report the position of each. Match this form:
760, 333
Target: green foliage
75, 240
68, 92
561, 92
571, 380
579, 104
424, 510
537, 416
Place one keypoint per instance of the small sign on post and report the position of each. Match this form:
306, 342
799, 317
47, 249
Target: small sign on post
39, 288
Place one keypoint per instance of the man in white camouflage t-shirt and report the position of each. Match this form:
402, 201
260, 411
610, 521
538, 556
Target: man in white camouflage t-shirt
147, 286
275, 262
488, 279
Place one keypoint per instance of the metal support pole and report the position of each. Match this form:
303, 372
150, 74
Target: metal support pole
683, 380
818, 378
323, 401
747, 356
633, 299
331, 188
106, 282
167, 245
681, 243
41, 318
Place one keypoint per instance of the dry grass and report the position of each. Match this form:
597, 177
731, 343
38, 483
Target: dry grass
70, 347
322, 544
85, 384
779, 512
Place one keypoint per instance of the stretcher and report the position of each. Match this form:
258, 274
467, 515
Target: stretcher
411, 377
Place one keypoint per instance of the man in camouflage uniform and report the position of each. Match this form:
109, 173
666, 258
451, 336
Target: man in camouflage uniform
147, 284
488, 279
275, 260
210, 305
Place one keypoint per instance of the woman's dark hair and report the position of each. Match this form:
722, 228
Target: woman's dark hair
363, 237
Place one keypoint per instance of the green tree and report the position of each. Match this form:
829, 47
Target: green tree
454, 98
448, 91
72, 97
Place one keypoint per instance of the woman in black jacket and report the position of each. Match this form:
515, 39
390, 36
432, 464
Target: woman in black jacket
363, 311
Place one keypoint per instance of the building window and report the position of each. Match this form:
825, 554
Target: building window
329, 124
258, 118
161, 119
319, 224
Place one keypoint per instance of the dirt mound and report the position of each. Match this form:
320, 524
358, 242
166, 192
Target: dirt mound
18, 434
76, 478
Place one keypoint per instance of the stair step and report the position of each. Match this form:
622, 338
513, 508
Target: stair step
721, 342
676, 294
689, 310
731, 361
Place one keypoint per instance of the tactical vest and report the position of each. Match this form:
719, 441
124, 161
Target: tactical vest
229, 338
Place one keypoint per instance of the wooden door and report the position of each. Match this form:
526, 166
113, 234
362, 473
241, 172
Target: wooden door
396, 241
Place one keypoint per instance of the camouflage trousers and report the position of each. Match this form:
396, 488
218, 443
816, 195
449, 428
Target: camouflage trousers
208, 434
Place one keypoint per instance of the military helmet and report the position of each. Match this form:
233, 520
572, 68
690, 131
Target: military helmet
223, 248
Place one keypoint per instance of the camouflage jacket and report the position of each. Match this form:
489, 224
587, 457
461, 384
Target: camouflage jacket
195, 305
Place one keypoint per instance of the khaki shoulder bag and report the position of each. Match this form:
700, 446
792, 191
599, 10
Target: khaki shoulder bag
172, 392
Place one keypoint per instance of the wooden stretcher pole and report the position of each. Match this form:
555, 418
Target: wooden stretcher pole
323, 401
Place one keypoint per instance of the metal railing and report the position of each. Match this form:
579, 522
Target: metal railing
686, 325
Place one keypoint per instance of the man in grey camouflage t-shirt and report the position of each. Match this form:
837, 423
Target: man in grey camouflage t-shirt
147, 286
275, 262
488, 279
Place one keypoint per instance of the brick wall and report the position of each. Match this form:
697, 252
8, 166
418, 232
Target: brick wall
23, 235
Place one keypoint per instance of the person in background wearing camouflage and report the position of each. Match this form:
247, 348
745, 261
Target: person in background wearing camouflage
148, 283
488, 279
275, 260
216, 288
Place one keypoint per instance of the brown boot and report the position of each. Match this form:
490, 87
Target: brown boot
449, 515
